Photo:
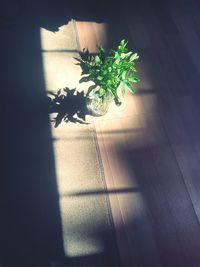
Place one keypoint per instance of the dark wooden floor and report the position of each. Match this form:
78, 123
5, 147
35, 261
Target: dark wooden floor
150, 146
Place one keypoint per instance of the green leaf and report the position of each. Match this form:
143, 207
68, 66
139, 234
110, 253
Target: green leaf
124, 75
97, 59
100, 49
99, 78
130, 88
133, 79
123, 55
109, 82
122, 42
134, 56
129, 53
117, 61
101, 91
109, 70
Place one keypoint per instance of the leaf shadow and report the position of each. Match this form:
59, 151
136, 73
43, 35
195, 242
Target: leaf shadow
70, 106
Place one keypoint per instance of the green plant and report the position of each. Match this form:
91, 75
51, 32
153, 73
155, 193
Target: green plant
108, 71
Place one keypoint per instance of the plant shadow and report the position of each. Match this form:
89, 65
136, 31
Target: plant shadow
70, 106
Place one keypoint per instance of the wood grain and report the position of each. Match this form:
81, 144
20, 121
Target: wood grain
150, 145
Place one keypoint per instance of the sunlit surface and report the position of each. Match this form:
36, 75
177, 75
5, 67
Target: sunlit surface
81, 185
58, 50
122, 134
91, 34
85, 219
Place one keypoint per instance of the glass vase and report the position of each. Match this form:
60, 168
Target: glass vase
99, 106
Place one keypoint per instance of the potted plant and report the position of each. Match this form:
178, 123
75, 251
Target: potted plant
107, 72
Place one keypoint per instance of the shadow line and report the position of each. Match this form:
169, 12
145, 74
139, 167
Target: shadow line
60, 51
101, 192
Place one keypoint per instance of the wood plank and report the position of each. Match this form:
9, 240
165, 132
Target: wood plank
150, 145
134, 212
90, 34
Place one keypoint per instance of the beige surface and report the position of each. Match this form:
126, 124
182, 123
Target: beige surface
85, 215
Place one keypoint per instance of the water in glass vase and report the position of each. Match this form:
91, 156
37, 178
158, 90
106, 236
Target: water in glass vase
98, 106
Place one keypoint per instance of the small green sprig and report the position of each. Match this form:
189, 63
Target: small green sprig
109, 71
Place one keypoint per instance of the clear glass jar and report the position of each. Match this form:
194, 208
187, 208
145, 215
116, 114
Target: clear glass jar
98, 106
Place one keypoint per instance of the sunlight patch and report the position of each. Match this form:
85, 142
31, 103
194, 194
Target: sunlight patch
85, 220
